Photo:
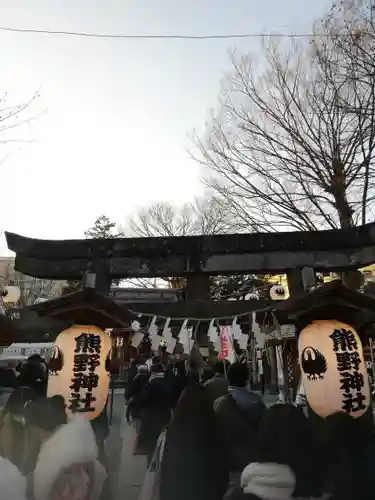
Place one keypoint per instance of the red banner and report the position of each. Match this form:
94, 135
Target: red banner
224, 343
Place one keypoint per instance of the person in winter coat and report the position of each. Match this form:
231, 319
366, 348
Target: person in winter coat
67, 466
134, 391
34, 374
239, 413
288, 464
218, 385
155, 409
350, 452
12, 483
179, 381
193, 464
12, 425
132, 372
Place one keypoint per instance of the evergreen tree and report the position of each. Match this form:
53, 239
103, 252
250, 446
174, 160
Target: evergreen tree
101, 229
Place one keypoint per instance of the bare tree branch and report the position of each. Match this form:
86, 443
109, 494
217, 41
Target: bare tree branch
204, 216
292, 148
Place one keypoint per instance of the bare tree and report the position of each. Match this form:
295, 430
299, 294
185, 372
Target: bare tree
31, 289
202, 216
14, 116
292, 147
36, 289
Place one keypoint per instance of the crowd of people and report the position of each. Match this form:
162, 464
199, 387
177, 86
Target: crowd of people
206, 438
43, 454
221, 442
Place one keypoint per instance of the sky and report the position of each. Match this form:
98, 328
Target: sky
113, 117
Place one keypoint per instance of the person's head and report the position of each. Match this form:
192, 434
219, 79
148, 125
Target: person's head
157, 368
193, 403
35, 358
286, 437
238, 374
19, 400
45, 415
221, 367
156, 360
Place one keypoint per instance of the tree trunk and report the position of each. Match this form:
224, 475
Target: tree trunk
344, 210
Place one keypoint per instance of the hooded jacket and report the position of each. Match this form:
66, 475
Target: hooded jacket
12, 483
67, 465
155, 410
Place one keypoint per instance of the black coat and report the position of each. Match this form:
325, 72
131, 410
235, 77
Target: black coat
132, 373
352, 474
239, 429
155, 411
134, 392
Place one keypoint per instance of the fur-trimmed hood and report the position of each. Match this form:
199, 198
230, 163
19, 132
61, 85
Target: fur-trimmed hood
12, 483
270, 481
73, 443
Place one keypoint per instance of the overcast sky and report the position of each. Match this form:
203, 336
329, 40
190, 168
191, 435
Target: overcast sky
118, 112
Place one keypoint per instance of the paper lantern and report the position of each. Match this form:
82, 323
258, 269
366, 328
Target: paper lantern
77, 370
333, 370
277, 292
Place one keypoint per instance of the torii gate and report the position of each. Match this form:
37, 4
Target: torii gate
196, 257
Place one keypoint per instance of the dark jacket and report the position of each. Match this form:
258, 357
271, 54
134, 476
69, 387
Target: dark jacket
239, 414
132, 373
155, 410
216, 387
134, 391
358, 463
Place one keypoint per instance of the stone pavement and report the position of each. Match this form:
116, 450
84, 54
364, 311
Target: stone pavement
126, 472
132, 468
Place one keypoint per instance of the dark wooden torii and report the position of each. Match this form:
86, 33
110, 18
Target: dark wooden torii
196, 257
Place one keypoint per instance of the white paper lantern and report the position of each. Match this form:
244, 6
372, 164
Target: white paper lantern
277, 292
333, 370
78, 370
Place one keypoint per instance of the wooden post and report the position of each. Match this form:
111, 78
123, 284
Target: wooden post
198, 288
295, 282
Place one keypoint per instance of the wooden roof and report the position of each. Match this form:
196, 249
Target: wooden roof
86, 307
330, 301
